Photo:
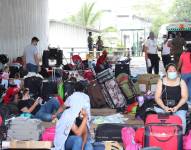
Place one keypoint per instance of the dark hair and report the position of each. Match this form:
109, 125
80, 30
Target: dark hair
25, 91
34, 39
90, 33
79, 87
170, 64
17, 75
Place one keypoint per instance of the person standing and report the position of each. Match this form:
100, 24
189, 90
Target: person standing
151, 50
177, 47
99, 44
90, 42
31, 59
166, 58
185, 67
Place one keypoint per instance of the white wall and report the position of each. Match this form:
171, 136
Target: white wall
20, 20
66, 35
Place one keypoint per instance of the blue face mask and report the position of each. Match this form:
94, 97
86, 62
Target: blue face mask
172, 75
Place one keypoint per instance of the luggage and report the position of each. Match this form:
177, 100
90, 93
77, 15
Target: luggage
164, 131
94, 91
25, 129
109, 132
107, 97
49, 134
13, 69
187, 141
49, 88
34, 83
128, 137
122, 68
115, 93
130, 89
148, 82
105, 75
45, 58
88, 75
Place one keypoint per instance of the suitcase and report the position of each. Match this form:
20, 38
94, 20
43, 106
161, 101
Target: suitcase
25, 129
45, 58
49, 88
107, 97
110, 132
115, 93
164, 131
105, 75
94, 91
129, 89
122, 68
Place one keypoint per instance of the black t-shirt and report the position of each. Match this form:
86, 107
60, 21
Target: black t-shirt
28, 103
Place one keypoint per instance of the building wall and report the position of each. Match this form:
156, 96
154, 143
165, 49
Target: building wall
65, 35
20, 20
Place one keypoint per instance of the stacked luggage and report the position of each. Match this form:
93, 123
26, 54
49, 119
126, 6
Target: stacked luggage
110, 89
25, 129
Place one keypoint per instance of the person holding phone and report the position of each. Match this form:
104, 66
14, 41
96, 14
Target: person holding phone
172, 94
43, 112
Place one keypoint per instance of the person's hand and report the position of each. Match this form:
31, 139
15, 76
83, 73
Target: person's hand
83, 113
53, 117
174, 109
167, 109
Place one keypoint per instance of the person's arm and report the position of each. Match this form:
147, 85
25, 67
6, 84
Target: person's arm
84, 138
184, 96
146, 49
29, 110
158, 99
80, 130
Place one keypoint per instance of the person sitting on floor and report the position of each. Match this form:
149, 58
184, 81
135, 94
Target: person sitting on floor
44, 112
172, 94
102, 62
72, 130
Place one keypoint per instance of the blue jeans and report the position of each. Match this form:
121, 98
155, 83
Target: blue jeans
46, 110
32, 68
187, 79
75, 143
180, 113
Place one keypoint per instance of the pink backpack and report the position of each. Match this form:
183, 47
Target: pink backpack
49, 134
128, 135
187, 141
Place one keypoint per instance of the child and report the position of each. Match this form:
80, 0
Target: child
17, 80
5, 77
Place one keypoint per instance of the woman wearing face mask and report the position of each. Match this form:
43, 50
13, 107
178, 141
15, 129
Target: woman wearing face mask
172, 94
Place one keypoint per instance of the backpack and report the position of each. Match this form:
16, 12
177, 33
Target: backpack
128, 137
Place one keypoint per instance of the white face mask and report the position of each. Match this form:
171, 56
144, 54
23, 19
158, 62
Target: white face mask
172, 75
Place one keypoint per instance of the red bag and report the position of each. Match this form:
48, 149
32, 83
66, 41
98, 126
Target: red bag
164, 131
49, 134
88, 74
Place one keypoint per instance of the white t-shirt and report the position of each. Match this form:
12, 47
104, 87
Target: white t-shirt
152, 46
165, 49
29, 53
17, 82
81, 98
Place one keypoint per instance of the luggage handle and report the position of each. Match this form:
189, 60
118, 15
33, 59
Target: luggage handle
160, 140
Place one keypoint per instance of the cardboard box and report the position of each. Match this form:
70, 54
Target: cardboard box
147, 82
27, 144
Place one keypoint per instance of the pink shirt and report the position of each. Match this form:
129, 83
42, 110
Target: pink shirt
186, 62
5, 75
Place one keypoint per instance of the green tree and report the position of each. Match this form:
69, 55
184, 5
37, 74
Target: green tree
181, 10
86, 16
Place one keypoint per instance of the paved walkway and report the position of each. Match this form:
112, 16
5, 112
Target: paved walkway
138, 66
